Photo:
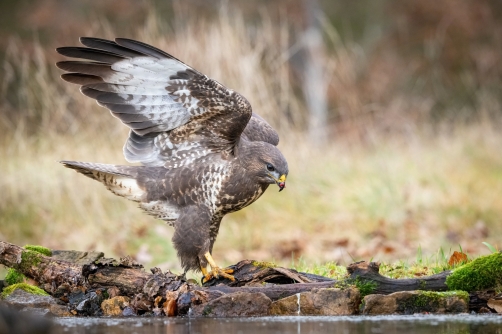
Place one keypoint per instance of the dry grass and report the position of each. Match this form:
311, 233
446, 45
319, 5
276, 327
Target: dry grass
379, 198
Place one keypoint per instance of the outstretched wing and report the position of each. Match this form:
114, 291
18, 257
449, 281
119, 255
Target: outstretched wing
176, 114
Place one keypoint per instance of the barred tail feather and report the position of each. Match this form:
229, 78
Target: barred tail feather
121, 180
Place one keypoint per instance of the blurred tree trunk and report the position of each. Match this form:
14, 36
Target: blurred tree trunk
314, 84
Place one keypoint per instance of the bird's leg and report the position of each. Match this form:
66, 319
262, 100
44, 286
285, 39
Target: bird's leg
215, 270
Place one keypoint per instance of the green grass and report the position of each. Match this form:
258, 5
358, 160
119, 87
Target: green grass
422, 266
328, 269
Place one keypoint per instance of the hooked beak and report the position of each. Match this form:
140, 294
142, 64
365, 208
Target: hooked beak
282, 182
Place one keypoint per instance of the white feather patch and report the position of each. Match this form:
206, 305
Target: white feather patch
161, 210
121, 185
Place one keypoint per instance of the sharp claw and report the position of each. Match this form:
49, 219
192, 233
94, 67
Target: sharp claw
217, 272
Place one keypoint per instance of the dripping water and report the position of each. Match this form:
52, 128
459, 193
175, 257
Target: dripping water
298, 302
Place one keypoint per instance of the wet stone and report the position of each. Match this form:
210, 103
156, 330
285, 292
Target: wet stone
129, 312
115, 306
88, 304
495, 304
190, 299
184, 303
238, 304
36, 304
141, 303
410, 302
60, 311
319, 302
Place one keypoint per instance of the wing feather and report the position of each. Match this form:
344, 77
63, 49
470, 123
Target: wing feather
106, 45
176, 114
90, 54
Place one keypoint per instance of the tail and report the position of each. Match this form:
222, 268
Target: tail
121, 180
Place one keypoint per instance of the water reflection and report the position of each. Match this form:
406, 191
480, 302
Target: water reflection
418, 324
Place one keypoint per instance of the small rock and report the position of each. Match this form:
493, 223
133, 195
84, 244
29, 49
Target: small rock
115, 306
495, 304
238, 304
60, 311
20, 299
141, 303
184, 303
170, 307
319, 302
36, 304
88, 304
190, 299
113, 292
410, 302
129, 312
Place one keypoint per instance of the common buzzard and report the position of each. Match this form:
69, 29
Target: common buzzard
204, 152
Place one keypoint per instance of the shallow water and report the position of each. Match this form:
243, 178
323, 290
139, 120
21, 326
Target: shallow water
430, 324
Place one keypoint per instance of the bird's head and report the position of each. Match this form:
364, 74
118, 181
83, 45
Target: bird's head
266, 163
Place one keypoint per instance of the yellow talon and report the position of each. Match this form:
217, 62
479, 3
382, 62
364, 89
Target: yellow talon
215, 270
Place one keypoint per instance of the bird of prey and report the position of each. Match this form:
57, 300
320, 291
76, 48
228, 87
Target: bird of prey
204, 153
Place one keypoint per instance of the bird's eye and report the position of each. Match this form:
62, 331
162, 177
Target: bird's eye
270, 168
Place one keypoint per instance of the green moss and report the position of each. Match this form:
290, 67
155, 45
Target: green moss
29, 259
207, 311
13, 276
39, 249
366, 287
482, 273
264, 264
23, 286
343, 284
429, 301
425, 297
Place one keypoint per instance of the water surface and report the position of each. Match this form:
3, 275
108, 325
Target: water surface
426, 324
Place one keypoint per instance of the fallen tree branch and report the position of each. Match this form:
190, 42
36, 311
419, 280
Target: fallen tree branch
369, 272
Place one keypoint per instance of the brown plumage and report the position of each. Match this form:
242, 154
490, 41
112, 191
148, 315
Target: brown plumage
204, 152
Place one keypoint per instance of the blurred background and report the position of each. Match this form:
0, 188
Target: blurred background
389, 114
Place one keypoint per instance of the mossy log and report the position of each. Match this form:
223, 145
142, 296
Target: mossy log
369, 273
78, 272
